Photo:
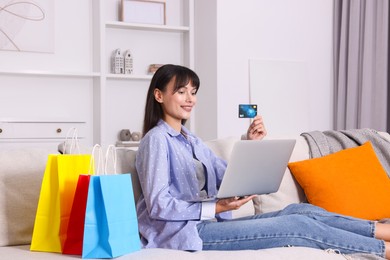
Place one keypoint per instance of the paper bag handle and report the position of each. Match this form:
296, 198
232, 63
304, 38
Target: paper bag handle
111, 150
74, 141
99, 160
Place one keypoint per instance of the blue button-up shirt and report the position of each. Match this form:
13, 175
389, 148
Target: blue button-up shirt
168, 179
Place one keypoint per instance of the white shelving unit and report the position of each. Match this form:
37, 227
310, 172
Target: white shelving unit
120, 97
75, 82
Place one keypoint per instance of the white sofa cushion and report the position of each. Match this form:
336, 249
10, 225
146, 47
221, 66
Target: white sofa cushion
21, 173
289, 191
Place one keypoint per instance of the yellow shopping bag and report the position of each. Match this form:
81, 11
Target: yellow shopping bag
55, 200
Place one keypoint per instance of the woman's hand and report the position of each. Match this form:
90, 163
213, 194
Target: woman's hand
256, 130
233, 203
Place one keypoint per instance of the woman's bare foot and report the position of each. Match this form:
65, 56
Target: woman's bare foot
382, 231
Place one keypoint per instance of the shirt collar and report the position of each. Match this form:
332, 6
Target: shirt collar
172, 132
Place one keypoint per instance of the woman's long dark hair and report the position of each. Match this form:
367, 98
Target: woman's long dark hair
160, 80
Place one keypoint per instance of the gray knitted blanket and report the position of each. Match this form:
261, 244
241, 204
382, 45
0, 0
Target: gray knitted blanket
327, 142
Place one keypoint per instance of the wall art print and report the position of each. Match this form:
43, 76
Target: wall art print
27, 25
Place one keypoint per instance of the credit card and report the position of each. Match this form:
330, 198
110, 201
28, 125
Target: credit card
247, 110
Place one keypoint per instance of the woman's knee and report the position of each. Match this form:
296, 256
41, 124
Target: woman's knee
301, 208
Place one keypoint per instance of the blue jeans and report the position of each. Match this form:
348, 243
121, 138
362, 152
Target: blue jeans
296, 225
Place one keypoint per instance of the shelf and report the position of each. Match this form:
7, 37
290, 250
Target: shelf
147, 27
39, 120
51, 73
129, 76
127, 144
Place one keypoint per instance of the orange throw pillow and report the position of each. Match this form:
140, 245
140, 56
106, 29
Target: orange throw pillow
350, 182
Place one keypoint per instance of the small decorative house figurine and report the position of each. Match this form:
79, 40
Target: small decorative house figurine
117, 66
128, 62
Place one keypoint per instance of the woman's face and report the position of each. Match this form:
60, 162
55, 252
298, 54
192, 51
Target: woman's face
176, 106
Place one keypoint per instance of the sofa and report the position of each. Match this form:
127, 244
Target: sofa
21, 172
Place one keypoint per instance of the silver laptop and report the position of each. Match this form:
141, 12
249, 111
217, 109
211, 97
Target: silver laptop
255, 167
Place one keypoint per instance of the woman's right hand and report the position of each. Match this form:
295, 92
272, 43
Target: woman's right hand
256, 130
233, 203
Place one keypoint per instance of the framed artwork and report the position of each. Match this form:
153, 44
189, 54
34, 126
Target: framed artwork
27, 25
143, 11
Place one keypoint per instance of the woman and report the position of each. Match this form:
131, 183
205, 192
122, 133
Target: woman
175, 167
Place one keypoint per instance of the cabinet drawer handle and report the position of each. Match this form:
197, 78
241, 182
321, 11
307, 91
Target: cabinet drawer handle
1, 130
59, 130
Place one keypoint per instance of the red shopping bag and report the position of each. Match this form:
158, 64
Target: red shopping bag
74, 242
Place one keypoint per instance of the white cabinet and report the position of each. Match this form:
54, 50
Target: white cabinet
13, 130
15, 133
121, 97
75, 86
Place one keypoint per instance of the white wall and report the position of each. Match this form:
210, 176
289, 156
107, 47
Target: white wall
278, 30
227, 35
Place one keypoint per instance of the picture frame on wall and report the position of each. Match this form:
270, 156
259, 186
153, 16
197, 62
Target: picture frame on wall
143, 11
27, 26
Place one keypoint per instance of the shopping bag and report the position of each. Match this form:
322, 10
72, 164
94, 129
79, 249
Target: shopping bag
55, 200
71, 144
111, 225
74, 240
73, 244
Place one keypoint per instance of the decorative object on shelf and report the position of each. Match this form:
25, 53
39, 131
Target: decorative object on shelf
128, 62
125, 135
117, 65
136, 136
128, 139
143, 11
153, 68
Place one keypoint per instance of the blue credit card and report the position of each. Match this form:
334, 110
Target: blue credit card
247, 110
